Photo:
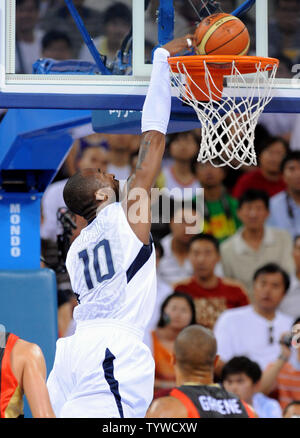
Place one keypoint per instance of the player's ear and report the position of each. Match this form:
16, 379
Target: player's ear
101, 195
216, 360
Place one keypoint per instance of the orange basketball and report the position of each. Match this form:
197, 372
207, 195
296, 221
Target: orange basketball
222, 34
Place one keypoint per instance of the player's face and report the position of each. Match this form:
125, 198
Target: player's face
209, 176
179, 313
253, 214
291, 175
183, 148
241, 385
109, 180
271, 158
203, 257
268, 291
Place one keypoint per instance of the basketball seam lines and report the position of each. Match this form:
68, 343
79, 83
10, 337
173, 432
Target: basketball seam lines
222, 45
211, 30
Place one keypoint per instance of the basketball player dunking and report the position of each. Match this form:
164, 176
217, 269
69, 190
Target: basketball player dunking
104, 369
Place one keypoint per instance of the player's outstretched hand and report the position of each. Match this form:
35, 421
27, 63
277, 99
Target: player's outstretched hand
179, 44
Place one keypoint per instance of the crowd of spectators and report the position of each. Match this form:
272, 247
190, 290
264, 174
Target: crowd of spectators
239, 274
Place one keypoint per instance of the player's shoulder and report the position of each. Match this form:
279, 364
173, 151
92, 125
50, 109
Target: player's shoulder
28, 351
167, 407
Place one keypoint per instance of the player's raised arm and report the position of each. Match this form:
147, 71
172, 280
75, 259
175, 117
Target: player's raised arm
156, 115
155, 120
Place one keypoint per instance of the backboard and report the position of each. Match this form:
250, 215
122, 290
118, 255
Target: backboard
127, 91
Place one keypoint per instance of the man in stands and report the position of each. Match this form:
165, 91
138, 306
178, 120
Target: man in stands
256, 243
255, 331
212, 294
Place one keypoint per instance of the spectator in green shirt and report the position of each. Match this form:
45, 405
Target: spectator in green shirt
220, 209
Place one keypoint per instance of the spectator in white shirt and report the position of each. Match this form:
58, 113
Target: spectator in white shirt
92, 156
241, 376
285, 206
291, 302
255, 244
255, 331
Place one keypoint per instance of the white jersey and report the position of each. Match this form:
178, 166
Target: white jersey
112, 271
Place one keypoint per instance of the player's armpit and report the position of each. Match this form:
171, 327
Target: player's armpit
33, 382
167, 407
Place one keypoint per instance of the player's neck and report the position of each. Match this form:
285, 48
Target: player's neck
199, 378
213, 193
209, 282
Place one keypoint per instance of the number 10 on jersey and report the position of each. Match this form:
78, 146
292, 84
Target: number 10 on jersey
110, 271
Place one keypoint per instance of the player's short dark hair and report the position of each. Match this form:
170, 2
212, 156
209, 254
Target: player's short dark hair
79, 193
55, 35
291, 156
241, 364
162, 321
273, 268
117, 10
292, 403
206, 237
252, 195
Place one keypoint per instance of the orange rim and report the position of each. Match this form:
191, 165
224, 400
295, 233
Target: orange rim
218, 66
222, 64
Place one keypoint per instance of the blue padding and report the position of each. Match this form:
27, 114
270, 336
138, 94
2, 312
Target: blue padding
132, 102
29, 308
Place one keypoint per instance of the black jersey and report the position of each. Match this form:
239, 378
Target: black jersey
211, 401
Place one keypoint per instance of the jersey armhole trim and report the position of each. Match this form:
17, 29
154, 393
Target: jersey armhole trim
187, 402
248, 409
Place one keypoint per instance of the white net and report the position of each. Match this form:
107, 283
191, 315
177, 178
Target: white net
228, 125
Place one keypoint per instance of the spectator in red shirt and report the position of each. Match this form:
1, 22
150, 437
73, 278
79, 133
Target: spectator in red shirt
268, 175
212, 295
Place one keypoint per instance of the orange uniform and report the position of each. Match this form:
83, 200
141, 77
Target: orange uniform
11, 395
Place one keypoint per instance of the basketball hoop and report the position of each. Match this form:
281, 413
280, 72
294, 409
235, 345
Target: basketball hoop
228, 118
